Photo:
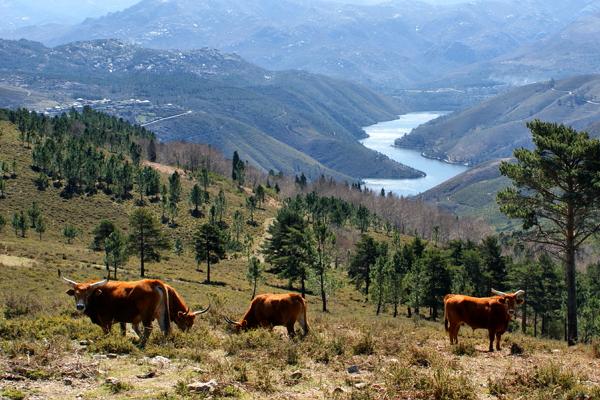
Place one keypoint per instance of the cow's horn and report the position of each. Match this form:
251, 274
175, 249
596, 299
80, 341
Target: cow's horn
519, 293
498, 293
230, 321
202, 311
98, 284
70, 282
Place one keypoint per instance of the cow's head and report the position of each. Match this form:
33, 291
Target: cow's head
237, 326
185, 320
510, 300
82, 291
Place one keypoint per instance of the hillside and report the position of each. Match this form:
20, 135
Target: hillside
390, 45
48, 350
286, 121
495, 127
473, 194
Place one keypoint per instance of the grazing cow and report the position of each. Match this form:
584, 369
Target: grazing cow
179, 312
491, 313
115, 301
269, 310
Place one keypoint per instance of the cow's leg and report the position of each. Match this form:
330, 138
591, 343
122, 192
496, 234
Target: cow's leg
303, 323
123, 326
147, 332
290, 329
498, 339
492, 335
453, 333
136, 329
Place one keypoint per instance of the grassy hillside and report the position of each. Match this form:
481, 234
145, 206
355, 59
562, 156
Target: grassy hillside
47, 350
473, 194
494, 128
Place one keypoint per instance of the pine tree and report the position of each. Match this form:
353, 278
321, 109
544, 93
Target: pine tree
259, 192
363, 218
100, 233
556, 196
251, 206
196, 199
116, 252
435, 280
2, 223
145, 238
254, 274
40, 226
151, 150
367, 252
70, 233
210, 246
178, 247
324, 247
493, 263
174, 195
20, 223
238, 169
237, 224
378, 275
2, 187
34, 213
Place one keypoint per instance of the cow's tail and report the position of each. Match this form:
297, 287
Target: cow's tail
303, 320
164, 317
446, 297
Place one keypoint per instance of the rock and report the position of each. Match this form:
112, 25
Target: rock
85, 342
111, 380
353, 369
339, 390
111, 355
296, 375
360, 385
203, 387
160, 361
147, 375
68, 382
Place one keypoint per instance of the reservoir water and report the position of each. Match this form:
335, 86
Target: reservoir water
381, 138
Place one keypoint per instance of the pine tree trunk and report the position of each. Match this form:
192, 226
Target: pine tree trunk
524, 319
323, 295
378, 305
535, 324
571, 284
254, 289
208, 268
302, 288
395, 309
409, 313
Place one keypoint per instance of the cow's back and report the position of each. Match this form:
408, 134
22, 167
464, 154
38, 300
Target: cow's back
277, 309
473, 311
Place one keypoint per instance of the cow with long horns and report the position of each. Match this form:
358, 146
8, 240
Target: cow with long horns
125, 302
269, 310
491, 313
179, 312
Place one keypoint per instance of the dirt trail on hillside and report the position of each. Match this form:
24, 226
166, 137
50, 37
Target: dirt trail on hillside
14, 261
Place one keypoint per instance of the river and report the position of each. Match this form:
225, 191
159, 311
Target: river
381, 138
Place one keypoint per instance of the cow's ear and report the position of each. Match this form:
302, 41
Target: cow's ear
98, 292
520, 300
180, 314
502, 300
71, 292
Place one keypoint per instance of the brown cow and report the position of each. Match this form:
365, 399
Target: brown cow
115, 301
269, 310
179, 312
491, 313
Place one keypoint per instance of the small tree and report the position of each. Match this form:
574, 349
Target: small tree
237, 225
151, 151
145, 238
359, 270
210, 246
178, 247
34, 214
40, 226
251, 206
101, 232
70, 233
2, 187
196, 199
205, 181
378, 278
2, 223
259, 192
115, 252
324, 241
254, 274
164, 202
20, 223
174, 194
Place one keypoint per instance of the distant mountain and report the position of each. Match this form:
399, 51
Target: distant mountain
494, 128
392, 45
573, 50
286, 121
